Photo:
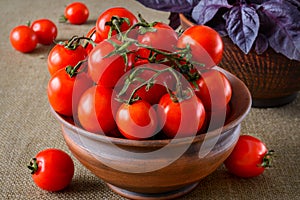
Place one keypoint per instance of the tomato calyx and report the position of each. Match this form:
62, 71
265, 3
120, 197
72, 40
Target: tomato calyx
267, 159
33, 166
73, 71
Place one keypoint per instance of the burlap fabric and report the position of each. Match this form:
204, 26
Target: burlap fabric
27, 125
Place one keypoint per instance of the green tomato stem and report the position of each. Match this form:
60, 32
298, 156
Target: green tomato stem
33, 166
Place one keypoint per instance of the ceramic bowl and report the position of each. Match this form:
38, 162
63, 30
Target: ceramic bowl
158, 169
272, 79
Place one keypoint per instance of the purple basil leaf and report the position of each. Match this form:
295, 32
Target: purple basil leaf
174, 20
295, 3
242, 24
284, 37
261, 43
179, 6
207, 9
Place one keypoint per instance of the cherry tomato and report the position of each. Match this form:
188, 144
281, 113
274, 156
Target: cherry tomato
205, 43
96, 110
46, 31
52, 169
62, 56
104, 70
157, 88
163, 38
249, 157
23, 39
181, 119
82, 82
106, 16
214, 90
60, 88
94, 36
76, 13
137, 121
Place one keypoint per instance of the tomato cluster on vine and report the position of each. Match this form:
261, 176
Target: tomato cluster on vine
139, 80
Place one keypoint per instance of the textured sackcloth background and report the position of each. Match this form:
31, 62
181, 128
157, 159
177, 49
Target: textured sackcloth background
28, 127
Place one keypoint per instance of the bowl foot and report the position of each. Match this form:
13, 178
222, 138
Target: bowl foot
276, 102
155, 196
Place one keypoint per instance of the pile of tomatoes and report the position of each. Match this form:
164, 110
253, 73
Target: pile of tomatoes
139, 80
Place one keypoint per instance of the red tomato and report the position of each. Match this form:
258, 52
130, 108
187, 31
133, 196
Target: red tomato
94, 36
105, 71
23, 39
205, 43
96, 110
181, 119
152, 94
164, 38
214, 90
61, 56
76, 13
60, 88
249, 157
46, 31
82, 82
106, 16
137, 121
52, 169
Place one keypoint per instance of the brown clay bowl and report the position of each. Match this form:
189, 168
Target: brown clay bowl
158, 169
272, 79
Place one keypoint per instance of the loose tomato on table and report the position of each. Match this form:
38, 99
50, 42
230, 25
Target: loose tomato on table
76, 13
137, 120
45, 29
249, 157
23, 39
65, 54
96, 109
181, 118
52, 169
105, 17
205, 43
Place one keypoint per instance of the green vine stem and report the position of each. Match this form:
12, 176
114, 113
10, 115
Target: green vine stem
180, 59
267, 159
33, 165
180, 95
73, 71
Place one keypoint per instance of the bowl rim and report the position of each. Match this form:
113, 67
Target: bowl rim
176, 141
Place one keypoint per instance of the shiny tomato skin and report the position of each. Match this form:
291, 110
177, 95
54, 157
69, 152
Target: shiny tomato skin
105, 71
94, 36
205, 43
46, 31
137, 121
82, 82
61, 57
23, 39
60, 88
164, 38
55, 170
214, 89
153, 94
96, 109
246, 157
181, 119
77, 13
106, 16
